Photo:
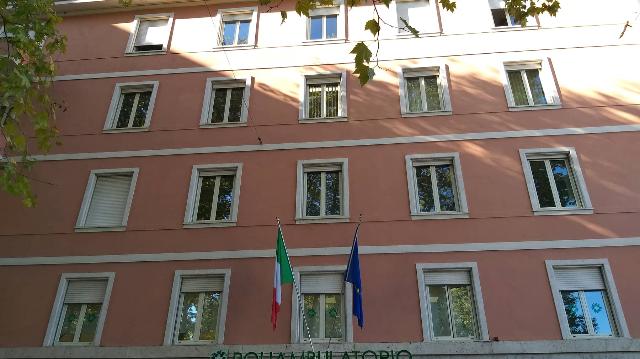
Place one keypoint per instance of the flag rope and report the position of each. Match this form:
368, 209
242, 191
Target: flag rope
295, 285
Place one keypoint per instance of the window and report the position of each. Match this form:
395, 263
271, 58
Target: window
322, 189
107, 199
151, 34
131, 106
238, 26
79, 309
325, 313
555, 181
326, 22
586, 299
226, 102
451, 301
529, 84
198, 307
324, 98
436, 189
424, 91
501, 17
213, 196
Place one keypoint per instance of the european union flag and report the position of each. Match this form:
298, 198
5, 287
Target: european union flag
352, 275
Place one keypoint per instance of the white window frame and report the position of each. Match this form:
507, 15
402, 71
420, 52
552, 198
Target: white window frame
581, 192
296, 321
612, 292
114, 106
414, 160
194, 195
303, 166
88, 194
328, 77
425, 312
172, 316
207, 104
404, 34
337, 8
440, 70
231, 14
532, 21
135, 25
546, 78
50, 337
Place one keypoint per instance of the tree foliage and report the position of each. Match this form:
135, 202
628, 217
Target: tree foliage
29, 40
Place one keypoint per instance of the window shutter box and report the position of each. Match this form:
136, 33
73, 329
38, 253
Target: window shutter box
460, 276
202, 284
579, 278
318, 283
109, 201
85, 291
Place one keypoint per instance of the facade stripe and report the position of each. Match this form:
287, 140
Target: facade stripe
329, 251
342, 143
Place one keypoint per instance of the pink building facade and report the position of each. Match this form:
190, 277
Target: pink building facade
492, 167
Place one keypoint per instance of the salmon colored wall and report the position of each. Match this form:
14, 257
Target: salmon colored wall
515, 288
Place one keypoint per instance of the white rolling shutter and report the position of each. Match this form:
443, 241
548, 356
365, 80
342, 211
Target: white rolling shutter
152, 32
202, 284
497, 4
579, 278
318, 283
459, 276
108, 201
85, 291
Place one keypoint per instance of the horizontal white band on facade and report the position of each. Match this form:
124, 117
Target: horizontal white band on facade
342, 143
329, 251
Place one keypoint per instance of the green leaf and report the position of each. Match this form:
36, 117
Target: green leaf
362, 52
411, 29
283, 15
448, 5
362, 59
373, 26
386, 2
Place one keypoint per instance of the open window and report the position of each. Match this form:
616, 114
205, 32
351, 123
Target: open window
150, 34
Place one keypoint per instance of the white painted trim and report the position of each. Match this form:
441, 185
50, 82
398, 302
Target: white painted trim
219, 19
481, 320
110, 123
302, 95
461, 198
58, 303
295, 308
438, 67
193, 186
88, 194
134, 33
325, 251
343, 163
572, 157
337, 9
224, 82
341, 143
612, 292
175, 298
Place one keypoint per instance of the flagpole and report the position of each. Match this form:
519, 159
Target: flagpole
295, 286
354, 241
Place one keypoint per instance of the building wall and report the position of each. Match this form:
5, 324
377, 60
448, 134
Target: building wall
594, 74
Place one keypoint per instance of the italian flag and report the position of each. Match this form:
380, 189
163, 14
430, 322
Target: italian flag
281, 275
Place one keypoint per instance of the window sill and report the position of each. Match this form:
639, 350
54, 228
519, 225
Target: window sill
409, 35
323, 119
223, 124
514, 28
233, 47
562, 212
198, 342
63, 344
125, 130
535, 107
420, 216
324, 41
308, 220
100, 229
146, 53
427, 114
209, 224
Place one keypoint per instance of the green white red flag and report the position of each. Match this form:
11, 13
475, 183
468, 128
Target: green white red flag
282, 275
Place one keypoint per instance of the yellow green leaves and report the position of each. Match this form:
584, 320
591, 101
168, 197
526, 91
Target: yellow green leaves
373, 26
362, 60
409, 28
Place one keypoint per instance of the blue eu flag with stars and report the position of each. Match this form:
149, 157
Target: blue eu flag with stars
352, 275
